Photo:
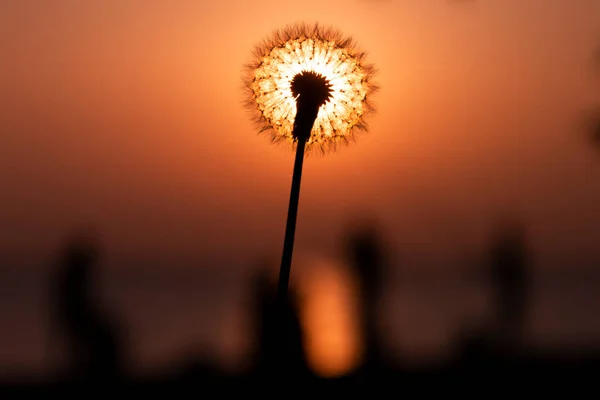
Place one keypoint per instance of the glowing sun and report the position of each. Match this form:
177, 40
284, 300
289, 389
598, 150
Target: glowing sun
328, 61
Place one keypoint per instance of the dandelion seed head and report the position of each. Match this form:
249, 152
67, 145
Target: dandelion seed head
312, 60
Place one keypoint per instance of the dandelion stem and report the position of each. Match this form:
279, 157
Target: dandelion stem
312, 91
290, 229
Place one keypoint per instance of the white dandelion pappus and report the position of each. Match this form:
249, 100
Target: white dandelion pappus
326, 52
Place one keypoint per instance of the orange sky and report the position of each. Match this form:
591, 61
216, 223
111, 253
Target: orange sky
128, 114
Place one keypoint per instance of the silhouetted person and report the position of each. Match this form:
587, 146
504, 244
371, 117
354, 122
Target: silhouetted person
93, 350
510, 280
365, 253
280, 347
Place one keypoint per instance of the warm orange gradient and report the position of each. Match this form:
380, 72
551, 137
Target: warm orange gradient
329, 316
129, 115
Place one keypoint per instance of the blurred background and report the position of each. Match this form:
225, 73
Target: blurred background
464, 223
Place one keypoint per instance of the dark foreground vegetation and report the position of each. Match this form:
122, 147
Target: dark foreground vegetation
491, 352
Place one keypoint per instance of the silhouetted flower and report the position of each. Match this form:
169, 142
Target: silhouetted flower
325, 55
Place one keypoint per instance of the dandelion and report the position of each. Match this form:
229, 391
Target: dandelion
309, 87
331, 71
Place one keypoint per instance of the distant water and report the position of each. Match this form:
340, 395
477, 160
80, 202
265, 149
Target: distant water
171, 312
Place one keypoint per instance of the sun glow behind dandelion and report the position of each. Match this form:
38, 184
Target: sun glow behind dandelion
325, 52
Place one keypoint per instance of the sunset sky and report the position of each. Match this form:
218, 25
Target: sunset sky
128, 115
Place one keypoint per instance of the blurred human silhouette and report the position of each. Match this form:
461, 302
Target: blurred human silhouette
510, 280
363, 247
93, 346
280, 343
